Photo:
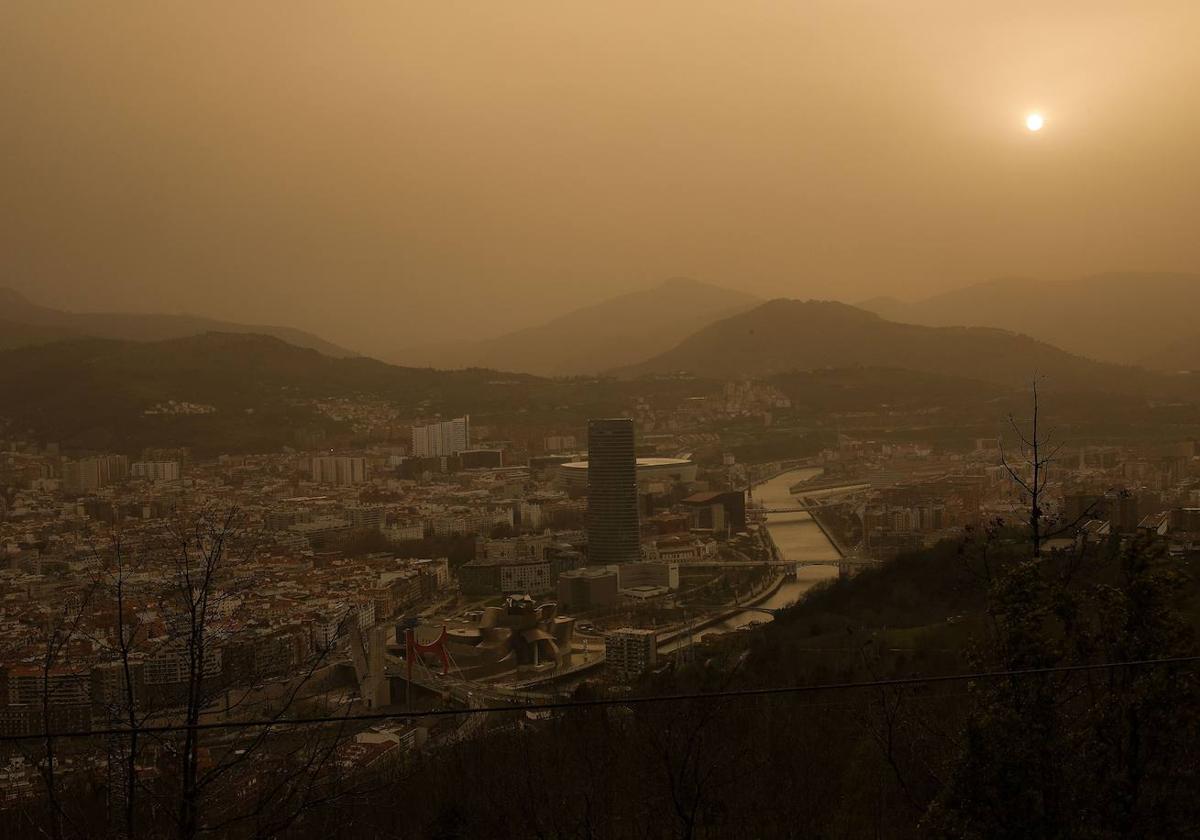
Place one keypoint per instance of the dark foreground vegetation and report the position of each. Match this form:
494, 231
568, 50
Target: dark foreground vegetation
1103, 753
1110, 752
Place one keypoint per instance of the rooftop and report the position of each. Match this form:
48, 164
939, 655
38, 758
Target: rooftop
641, 462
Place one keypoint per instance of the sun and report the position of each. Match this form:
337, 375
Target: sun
1034, 122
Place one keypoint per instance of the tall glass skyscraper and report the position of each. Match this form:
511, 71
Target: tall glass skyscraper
612, 518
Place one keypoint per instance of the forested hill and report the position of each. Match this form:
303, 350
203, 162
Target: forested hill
103, 394
1064, 753
98, 393
785, 335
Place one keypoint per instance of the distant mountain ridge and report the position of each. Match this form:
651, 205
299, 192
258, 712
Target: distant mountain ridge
1120, 317
1183, 354
784, 335
24, 323
615, 332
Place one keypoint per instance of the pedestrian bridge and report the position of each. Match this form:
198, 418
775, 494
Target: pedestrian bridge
805, 509
851, 559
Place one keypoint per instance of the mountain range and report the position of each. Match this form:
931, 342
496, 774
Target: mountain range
784, 335
619, 331
681, 325
1140, 318
24, 323
238, 392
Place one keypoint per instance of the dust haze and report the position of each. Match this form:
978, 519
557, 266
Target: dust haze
380, 173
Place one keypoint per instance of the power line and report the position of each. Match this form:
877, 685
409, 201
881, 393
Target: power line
617, 701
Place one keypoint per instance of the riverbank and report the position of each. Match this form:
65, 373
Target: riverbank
797, 537
826, 528
667, 637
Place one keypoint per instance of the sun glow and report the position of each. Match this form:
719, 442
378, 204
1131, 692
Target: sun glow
1034, 122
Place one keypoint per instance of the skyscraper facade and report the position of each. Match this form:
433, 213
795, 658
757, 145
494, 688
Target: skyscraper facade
612, 517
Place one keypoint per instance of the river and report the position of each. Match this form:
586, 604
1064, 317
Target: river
798, 538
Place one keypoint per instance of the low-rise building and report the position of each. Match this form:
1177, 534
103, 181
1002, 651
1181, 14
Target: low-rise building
503, 576
656, 574
588, 588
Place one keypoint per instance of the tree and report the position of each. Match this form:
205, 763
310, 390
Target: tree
55, 667
199, 551
1031, 474
126, 638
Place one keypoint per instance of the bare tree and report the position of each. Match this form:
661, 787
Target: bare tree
124, 711
1037, 452
243, 785
1031, 473
62, 629
282, 791
256, 779
198, 546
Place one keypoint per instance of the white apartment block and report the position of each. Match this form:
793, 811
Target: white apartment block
156, 470
93, 473
339, 470
403, 531
440, 439
170, 665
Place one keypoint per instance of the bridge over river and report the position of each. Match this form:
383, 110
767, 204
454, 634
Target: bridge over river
799, 542
800, 547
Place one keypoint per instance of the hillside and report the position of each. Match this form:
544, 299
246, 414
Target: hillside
826, 759
27, 323
95, 393
17, 334
1125, 318
615, 332
784, 335
1183, 354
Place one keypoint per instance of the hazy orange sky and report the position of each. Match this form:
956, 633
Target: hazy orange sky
390, 173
